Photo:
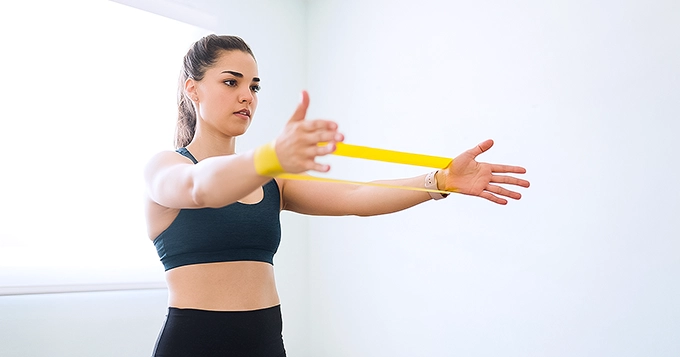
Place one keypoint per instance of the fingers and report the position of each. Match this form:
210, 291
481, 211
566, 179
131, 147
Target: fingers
493, 198
325, 130
298, 146
320, 167
318, 124
493, 190
301, 110
508, 169
313, 132
310, 154
321, 142
322, 150
503, 192
509, 180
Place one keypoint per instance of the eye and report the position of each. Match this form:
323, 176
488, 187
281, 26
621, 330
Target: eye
230, 82
255, 88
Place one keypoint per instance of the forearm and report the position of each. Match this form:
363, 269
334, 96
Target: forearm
375, 200
332, 199
221, 180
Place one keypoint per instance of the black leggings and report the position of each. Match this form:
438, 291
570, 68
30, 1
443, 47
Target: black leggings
202, 333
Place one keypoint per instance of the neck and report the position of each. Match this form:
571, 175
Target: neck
202, 148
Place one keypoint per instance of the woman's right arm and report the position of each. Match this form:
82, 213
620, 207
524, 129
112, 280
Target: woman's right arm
175, 182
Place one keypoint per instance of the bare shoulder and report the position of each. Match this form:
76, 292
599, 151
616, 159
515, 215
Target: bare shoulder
166, 157
159, 217
162, 160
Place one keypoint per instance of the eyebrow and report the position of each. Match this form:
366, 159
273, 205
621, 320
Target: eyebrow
240, 75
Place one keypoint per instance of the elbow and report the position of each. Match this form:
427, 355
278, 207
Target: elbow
205, 196
198, 194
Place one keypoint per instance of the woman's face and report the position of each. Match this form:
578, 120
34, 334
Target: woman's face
227, 94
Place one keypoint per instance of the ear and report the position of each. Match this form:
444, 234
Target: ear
191, 90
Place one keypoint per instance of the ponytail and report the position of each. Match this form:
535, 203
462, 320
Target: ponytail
186, 116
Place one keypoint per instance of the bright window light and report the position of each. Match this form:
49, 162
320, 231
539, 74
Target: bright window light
88, 95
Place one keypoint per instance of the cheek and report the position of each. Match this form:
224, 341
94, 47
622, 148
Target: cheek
210, 105
208, 110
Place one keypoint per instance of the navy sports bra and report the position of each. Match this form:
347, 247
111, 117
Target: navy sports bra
236, 232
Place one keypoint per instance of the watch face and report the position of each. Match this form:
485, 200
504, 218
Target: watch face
430, 180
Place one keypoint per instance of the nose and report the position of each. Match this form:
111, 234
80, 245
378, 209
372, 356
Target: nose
246, 96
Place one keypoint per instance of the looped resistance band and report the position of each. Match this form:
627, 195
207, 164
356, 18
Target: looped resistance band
369, 153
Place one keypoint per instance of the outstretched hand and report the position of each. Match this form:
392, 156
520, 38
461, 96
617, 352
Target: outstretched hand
467, 176
298, 145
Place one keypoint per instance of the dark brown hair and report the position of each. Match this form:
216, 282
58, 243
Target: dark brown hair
202, 54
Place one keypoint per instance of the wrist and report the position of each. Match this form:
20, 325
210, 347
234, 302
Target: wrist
266, 161
432, 183
440, 179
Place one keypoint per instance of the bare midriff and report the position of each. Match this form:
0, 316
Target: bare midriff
224, 286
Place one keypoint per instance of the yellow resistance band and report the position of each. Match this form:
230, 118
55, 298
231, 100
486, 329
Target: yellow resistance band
368, 153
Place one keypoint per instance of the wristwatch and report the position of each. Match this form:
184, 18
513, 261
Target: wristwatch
431, 184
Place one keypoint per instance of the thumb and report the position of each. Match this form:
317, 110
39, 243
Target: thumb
301, 110
480, 148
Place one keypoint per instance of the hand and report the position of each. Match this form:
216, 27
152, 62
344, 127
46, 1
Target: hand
467, 176
297, 146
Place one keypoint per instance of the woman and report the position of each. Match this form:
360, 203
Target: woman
213, 215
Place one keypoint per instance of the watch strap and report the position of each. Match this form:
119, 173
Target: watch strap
431, 184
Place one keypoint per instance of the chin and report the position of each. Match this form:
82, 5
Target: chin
238, 131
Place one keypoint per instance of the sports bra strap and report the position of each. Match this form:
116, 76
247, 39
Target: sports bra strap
186, 153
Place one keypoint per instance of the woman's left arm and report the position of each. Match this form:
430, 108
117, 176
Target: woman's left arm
464, 175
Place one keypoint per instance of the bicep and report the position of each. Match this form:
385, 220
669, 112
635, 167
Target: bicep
169, 181
317, 198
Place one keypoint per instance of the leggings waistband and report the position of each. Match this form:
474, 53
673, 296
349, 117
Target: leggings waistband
196, 332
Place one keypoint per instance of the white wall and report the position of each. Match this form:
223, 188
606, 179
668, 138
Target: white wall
126, 323
585, 96
102, 324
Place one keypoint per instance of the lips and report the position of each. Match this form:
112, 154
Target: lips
243, 112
